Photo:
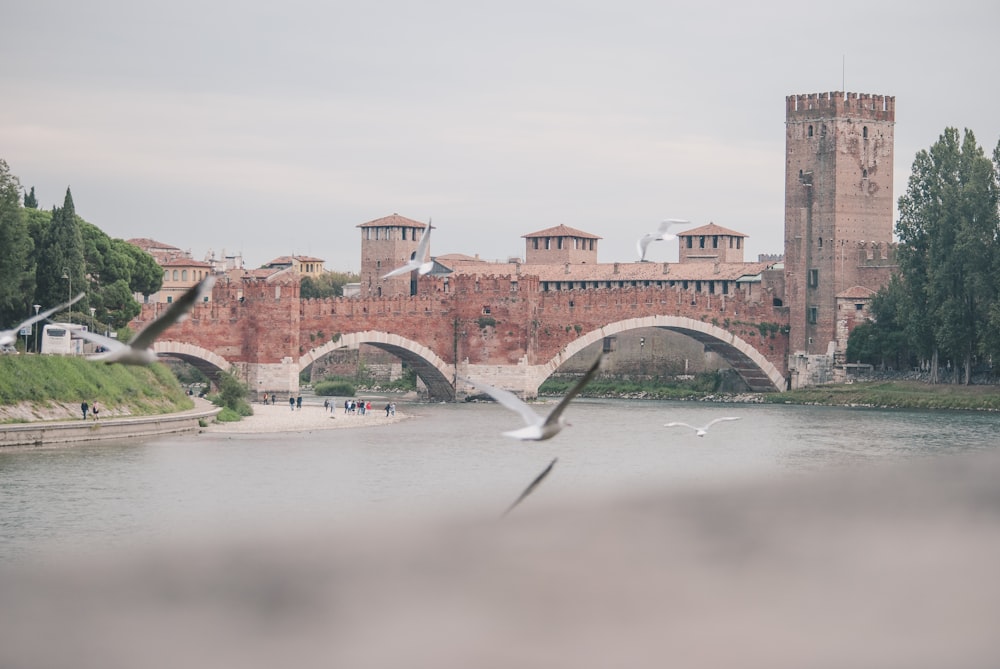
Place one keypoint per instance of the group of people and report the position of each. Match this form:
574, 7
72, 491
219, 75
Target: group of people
360, 407
92, 408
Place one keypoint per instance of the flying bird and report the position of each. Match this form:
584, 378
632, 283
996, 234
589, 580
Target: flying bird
139, 351
702, 431
537, 428
8, 337
417, 257
531, 487
660, 235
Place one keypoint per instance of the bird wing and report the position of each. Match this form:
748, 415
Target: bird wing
509, 400
106, 342
665, 225
553, 416
42, 316
719, 420
531, 486
408, 267
175, 313
423, 245
641, 246
679, 424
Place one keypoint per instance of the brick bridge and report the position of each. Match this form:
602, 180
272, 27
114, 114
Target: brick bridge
502, 331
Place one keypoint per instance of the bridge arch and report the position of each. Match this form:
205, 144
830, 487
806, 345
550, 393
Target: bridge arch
205, 361
436, 374
758, 372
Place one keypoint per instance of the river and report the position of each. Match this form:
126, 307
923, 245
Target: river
444, 458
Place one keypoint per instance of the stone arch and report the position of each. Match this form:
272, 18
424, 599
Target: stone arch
205, 361
758, 372
436, 374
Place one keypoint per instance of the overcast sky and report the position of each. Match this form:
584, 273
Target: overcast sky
272, 128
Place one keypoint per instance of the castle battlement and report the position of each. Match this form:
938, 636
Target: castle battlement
864, 106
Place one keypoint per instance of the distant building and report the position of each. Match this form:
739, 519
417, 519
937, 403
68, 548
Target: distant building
180, 270
304, 265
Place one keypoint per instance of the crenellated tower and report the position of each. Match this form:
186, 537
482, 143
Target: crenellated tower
388, 243
838, 198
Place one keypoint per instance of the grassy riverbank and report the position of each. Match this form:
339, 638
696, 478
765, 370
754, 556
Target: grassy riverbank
896, 394
48, 387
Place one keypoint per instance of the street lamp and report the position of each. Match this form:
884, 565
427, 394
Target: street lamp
92, 310
69, 292
37, 307
642, 345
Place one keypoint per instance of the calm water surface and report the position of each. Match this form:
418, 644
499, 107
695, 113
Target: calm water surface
446, 457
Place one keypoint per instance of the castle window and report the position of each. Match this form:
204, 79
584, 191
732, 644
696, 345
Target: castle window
176, 274
859, 306
864, 173
403, 234
810, 131
725, 287
534, 243
864, 132
739, 242
813, 278
548, 243
689, 240
486, 310
820, 242
701, 242
813, 315
559, 243
715, 241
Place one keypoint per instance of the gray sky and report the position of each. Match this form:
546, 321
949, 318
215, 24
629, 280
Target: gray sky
272, 128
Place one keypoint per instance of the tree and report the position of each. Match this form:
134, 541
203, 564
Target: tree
17, 281
61, 262
328, 284
30, 201
948, 230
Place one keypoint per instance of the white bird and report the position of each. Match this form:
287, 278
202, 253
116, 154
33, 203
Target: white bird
660, 235
8, 337
538, 428
531, 486
417, 257
139, 351
701, 431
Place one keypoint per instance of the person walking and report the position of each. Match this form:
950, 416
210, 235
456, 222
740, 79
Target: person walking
291, 403
298, 402
94, 409
84, 407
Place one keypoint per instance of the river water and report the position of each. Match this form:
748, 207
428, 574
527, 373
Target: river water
444, 458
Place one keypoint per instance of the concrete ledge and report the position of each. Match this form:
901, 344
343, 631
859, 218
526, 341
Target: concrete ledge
47, 433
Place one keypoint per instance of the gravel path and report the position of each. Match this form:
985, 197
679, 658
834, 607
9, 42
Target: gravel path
279, 418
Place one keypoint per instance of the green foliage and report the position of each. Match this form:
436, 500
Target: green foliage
702, 384
895, 394
30, 201
486, 322
328, 284
232, 394
17, 280
51, 378
228, 415
335, 387
948, 228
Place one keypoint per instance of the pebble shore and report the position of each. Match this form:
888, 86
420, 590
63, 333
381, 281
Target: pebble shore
269, 418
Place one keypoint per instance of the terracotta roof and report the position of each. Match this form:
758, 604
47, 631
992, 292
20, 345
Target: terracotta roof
561, 231
288, 260
146, 244
393, 221
856, 293
627, 271
711, 229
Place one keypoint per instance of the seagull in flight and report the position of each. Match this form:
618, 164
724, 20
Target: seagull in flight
702, 431
8, 337
660, 235
531, 487
417, 257
139, 351
537, 428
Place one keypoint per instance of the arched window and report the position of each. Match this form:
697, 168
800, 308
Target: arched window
175, 275
810, 131
864, 173
184, 275
864, 132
